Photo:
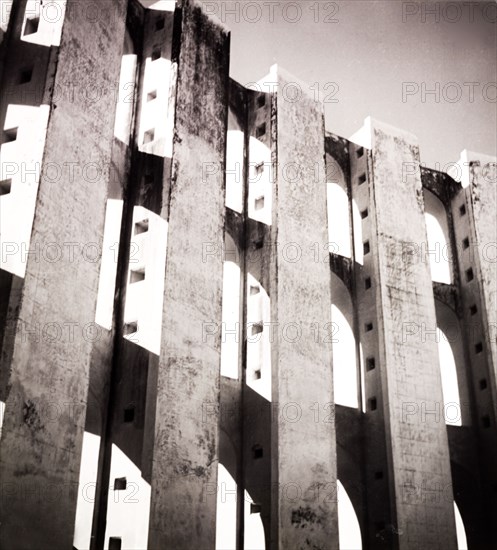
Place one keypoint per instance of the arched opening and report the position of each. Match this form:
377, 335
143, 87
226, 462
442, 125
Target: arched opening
226, 510
349, 531
230, 340
462, 543
235, 143
339, 230
254, 528
438, 246
345, 383
456, 409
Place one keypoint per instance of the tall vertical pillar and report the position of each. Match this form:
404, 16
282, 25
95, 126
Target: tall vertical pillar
417, 446
45, 411
185, 456
304, 510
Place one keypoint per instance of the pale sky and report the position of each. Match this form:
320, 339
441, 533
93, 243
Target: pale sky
374, 49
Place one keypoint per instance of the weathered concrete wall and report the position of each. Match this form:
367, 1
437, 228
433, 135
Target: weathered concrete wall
304, 515
45, 412
183, 510
418, 448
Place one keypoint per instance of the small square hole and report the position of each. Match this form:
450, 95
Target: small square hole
25, 76
141, 227
148, 136
361, 179
370, 363
261, 100
483, 384
479, 347
485, 421
360, 152
255, 508
120, 484
149, 179
378, 475
259, 244
129, 414
259, 203
137, 276
261, 130
367, 283
156, 54
31, 26
115, 543
368, 327
465, 243
10, 135
257, 374
379, 526
159, 24
254, 290
257, 451
152, 95
5, 186
364, 213
462, 210
366, 247
469, 274
372, 404
257, 328
259, 168
130, 328
473, 310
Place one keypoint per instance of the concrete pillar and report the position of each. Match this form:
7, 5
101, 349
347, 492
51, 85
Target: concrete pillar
47, 392
185, 456
304, 510
417, 446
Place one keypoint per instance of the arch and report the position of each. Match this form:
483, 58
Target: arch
438, 245
254, 537
339, 229
452, 366
235, 147
462, 543
226, 524
349, 531
230, 340
345, 383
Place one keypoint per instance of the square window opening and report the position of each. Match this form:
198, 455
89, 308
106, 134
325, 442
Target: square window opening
465, 243
5, 186
469, 275
366, 247
10, 135
361, 179
479, 347
473, 310
259, 203
360, 152
31, 26
257, 451
130, 328
367, 283
120, 484
364, 214
370, 364
261, 100
156, 54
261, 130
483, 384
152, 95
462, 210
26, 76
368, 327
159, 24
136, 276
141, 227
129, 414
148, 136
115, 543
372, 404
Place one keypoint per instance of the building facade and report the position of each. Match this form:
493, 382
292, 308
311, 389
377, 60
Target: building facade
220, 325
